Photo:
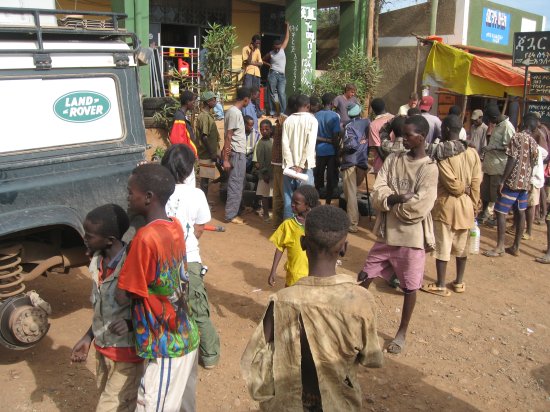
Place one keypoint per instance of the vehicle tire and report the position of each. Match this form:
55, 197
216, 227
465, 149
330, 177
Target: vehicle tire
157, 103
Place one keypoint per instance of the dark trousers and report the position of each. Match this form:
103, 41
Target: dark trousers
329, 164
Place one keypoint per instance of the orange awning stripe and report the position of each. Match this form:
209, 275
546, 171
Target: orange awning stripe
489, 70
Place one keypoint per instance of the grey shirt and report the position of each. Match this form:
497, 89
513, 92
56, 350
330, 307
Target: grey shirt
341, 104
234, 121
278, 61
435, 127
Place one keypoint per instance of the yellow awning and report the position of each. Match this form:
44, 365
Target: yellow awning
451, 68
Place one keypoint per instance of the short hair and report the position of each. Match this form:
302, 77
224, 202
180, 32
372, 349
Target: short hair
414, 111
456, 110
314, 101
350, 86
179, 159
247, 118
421, 125
254, 89
291, 106
242, 93
268, 122
453, 122
112, 219
302, 101
325, 226
155, 178
187, 96
276, 42
397, 124
413, 96
256, 37
378, 105
328, 98
310, 195
530, 121
492, 110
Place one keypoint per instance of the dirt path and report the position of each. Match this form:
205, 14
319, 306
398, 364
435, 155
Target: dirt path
487, 349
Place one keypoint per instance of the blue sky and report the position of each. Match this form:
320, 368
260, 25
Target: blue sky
533, 6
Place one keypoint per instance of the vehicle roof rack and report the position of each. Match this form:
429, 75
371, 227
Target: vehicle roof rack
109, 29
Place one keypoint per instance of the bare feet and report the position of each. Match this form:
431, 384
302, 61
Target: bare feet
512, 251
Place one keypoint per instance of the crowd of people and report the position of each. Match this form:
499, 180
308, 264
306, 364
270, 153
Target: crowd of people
151, 325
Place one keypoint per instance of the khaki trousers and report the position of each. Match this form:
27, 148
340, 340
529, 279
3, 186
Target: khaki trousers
349, 180
118, 384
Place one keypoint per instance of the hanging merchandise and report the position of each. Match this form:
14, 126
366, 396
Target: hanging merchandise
183, 67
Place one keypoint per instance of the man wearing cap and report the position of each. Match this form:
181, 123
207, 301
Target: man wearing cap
325, 147
478, 132
425, 106
208, 136
494, 157
382, 117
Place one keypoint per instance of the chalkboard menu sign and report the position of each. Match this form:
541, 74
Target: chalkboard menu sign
540, 107
540, 84
531, 48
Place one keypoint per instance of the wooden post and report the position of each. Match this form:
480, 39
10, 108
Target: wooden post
464, 105
417, 66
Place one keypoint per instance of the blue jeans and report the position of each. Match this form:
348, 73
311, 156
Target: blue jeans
277, 85
289, 186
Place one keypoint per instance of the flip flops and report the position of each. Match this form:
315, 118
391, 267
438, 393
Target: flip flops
543, 259
395, 347
492, 253
459, 287
436, 290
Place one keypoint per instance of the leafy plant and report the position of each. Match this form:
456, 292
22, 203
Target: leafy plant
164, 118
158, 153
220, 41
353, 67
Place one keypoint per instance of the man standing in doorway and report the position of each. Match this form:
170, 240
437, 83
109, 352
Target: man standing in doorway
234, 155
252, 61
276, 60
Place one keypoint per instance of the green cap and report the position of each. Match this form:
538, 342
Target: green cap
207, 96
354, 110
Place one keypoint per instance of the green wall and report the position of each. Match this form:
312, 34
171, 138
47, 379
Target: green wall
301, 51
476, 21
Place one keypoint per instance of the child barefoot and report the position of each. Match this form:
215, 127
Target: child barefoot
119, 369
288, 234
262, 161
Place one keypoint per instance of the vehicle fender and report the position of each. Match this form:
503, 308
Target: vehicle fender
36, 217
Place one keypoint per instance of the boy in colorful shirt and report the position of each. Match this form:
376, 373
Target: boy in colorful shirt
118, 368
154, 276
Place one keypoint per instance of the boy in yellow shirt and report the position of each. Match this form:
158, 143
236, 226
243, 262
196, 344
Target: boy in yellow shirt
288, 234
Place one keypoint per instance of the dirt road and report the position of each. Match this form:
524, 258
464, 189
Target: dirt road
486, 349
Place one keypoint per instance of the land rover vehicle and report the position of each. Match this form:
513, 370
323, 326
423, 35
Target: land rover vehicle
71, 130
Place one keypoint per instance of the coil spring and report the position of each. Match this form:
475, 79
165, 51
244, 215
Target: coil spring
11, 280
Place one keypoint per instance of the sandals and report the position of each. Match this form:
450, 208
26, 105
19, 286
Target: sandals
492, 253
543, 259
436, 290
395, 347
459, 287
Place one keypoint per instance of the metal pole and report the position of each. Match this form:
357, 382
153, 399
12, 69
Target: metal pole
433, 19
525, 91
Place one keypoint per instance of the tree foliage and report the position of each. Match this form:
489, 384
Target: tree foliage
220, 41
353, 67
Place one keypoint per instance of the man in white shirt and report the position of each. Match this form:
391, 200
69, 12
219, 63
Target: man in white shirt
413, 102
299, 138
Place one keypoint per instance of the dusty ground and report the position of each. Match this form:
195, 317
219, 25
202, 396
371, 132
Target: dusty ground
487, 349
